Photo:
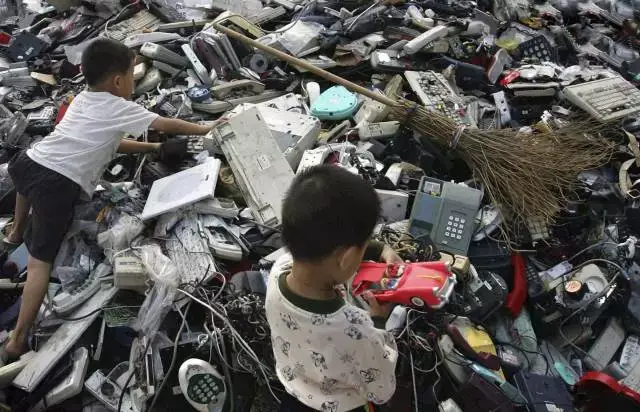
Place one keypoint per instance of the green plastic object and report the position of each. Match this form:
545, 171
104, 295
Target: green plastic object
336, 103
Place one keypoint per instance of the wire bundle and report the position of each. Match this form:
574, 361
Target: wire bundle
405, 245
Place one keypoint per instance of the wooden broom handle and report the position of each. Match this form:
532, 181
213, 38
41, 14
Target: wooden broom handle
306, 65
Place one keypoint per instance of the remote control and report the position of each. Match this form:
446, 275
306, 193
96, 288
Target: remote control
425, 38
202, 385
161, 53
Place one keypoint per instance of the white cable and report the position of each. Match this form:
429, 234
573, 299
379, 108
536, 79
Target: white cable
588, 248
138, 174
244, 345
173, 358
226, 368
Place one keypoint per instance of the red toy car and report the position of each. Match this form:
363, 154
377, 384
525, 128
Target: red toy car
412, 284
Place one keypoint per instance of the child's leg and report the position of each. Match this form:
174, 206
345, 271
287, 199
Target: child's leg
52, 197
32, 297
19, 219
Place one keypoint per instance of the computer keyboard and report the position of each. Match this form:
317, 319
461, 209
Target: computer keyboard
195, 144
605, 99
187, 247
136, 24
434, 92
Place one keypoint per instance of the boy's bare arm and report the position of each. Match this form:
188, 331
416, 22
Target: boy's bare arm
177, 126
128, 146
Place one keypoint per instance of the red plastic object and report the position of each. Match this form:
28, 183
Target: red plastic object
5, 39
517, 296
412, 284
597, 391
61, 111
509, 78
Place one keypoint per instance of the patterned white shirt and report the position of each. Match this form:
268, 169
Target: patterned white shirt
329, 354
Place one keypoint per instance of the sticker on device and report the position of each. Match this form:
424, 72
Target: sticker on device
263, 162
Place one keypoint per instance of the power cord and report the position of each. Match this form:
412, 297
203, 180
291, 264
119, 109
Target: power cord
173, 357
243, 344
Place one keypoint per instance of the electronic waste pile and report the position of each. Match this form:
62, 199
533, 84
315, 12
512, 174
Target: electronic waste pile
157, 294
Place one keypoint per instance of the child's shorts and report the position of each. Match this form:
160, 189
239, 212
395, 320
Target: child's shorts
52, 197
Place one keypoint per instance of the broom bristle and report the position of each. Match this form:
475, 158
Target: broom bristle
525, 175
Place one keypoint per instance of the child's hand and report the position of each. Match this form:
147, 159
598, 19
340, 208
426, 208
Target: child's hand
219, 121
377, 309
173, 149
389, 256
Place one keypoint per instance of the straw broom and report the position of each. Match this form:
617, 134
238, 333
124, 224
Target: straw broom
524, 175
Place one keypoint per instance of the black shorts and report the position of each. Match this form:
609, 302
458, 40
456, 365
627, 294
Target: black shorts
52, 197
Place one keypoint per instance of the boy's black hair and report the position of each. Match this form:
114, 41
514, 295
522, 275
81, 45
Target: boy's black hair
327, 207
104, 58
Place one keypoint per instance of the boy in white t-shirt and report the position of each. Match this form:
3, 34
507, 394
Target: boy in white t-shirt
52, 175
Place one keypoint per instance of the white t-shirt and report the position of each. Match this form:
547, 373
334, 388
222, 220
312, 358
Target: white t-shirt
87, 138
333, 361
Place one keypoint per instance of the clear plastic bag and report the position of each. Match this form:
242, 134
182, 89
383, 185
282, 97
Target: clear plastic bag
120, 236
154, 309
160, 268
75, 260
161, 296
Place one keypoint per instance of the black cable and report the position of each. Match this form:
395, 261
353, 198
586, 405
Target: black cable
173, 358
524, 351
133, 372
61, 317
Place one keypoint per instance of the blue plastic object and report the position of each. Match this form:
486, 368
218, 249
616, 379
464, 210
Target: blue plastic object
198, 94
336, 103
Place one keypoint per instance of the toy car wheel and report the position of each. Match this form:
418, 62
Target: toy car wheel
418, 302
